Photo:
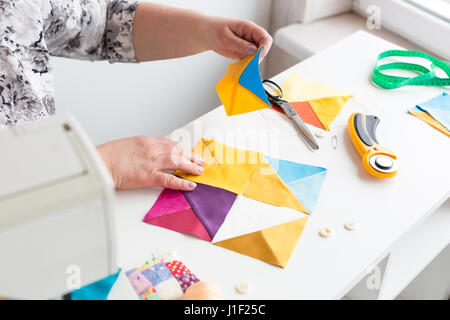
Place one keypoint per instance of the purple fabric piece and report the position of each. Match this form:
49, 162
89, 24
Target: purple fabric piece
211, 205
186, 280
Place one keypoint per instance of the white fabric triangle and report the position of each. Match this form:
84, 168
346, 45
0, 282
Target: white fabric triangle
248, 215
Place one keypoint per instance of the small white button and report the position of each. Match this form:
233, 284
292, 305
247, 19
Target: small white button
319, 134
351, 226
325, 232
242, 288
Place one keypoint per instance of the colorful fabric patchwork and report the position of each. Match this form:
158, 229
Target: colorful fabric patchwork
244, 195
157, 273
169, 289
177, 268
186, 280
139, 282
149, 294
157, 278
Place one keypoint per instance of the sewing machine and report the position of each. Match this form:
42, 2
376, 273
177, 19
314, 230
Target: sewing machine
56, 202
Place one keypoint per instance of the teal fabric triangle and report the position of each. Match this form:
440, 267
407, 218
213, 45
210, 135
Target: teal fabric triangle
292, 171
307, 189
438, 108
251, 80
98, 290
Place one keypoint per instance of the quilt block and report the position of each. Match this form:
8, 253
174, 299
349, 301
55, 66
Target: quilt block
245, 201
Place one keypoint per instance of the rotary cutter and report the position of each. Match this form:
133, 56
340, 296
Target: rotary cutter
377, 160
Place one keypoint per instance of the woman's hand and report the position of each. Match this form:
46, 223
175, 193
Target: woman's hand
141, 161
163, 32
235, 39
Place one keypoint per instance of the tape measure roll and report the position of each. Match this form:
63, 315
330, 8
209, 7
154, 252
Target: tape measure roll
425, 77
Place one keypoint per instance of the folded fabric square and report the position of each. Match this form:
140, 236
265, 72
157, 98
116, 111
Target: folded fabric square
240, 89
316, 103
262, 215
436, 112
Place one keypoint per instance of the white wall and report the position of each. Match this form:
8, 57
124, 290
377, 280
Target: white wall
119, 100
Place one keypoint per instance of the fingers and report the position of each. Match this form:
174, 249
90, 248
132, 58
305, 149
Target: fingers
165, 180
188, 167
254, 34
240, 45
181, 159
196, 159
266, 42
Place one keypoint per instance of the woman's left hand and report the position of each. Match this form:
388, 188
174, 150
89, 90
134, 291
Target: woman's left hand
236, 39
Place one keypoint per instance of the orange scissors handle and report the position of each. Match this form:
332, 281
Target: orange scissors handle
377, 160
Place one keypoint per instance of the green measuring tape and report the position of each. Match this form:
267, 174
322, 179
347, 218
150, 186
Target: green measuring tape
425, 77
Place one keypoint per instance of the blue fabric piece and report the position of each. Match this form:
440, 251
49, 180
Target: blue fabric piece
438, 108
251, 80
98, 290
292, 171
303, 180
307, 189
157, 273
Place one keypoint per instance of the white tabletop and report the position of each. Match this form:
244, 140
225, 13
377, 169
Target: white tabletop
384, 209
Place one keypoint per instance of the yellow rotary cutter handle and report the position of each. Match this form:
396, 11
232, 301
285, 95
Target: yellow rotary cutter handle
377, 160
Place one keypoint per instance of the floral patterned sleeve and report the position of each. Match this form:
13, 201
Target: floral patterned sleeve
91, 29
32, 30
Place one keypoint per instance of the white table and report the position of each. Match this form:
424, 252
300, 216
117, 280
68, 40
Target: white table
385, 209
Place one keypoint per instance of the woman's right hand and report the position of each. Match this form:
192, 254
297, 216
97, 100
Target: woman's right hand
142, 161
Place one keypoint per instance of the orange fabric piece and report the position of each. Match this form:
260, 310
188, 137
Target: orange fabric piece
305, 112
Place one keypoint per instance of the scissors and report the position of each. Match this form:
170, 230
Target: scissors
290, 113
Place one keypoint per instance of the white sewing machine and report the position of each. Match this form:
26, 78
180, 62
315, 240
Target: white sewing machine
56, 201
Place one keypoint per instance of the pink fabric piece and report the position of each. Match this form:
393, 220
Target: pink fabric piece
139, 282
184, 221
169, 201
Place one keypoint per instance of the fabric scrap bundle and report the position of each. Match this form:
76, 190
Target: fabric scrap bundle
435, 112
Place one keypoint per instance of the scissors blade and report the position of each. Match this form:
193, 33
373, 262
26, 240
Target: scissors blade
299, 124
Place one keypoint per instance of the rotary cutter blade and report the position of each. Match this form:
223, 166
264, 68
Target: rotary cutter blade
377, 160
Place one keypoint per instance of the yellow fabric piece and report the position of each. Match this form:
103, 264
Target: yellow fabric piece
265, 185
237, 99
273, 245
225, 167
297, 89
424, 116
327, 109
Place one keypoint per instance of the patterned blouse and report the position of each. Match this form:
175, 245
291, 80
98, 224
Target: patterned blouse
32, 30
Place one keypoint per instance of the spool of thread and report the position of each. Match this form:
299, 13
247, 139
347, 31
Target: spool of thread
203, 291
